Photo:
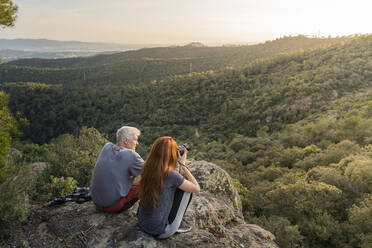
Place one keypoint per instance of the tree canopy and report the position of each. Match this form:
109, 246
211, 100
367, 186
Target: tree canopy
8, 12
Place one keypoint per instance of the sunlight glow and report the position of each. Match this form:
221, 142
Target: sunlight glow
178, 21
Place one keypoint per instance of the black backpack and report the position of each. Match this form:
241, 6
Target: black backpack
80, 195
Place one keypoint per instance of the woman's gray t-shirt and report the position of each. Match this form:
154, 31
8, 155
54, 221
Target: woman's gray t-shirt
154, 221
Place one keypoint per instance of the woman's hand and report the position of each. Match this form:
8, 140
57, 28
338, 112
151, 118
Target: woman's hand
182, 159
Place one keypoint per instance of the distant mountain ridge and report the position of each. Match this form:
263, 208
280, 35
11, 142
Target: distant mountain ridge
147, 64
10, 54
15, 49
46, 45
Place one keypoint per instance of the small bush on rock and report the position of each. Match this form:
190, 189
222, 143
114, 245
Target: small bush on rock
55, 187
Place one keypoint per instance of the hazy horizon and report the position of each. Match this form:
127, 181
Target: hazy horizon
166, 22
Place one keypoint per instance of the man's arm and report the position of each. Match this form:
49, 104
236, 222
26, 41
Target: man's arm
136, 165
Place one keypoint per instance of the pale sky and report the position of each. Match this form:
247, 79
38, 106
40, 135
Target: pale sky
183, 21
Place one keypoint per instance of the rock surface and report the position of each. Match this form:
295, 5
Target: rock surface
215, 214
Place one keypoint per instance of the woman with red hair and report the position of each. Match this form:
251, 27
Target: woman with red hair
164, 194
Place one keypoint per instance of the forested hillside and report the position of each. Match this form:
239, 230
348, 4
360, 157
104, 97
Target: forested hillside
149, 64
294, 130
271, 92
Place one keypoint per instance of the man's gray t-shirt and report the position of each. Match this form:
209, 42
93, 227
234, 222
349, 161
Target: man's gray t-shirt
154, 221
113, 174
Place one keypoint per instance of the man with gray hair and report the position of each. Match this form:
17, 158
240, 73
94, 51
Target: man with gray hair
112, 187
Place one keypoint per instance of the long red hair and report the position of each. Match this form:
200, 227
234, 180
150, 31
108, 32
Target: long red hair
161, 160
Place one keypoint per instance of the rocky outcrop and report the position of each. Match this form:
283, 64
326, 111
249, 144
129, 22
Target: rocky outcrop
215, 214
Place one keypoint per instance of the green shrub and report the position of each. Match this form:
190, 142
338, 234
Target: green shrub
71, 161
61, 186
360, 216
14, 200
333, 154
288, 157
8, 126
355, 128
14, 177
310, 149
55, 187
76, 156
359, 175
286, 234
36, 153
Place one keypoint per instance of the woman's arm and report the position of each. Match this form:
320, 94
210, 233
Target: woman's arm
189, 184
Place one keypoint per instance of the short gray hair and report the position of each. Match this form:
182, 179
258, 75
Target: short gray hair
126, 132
